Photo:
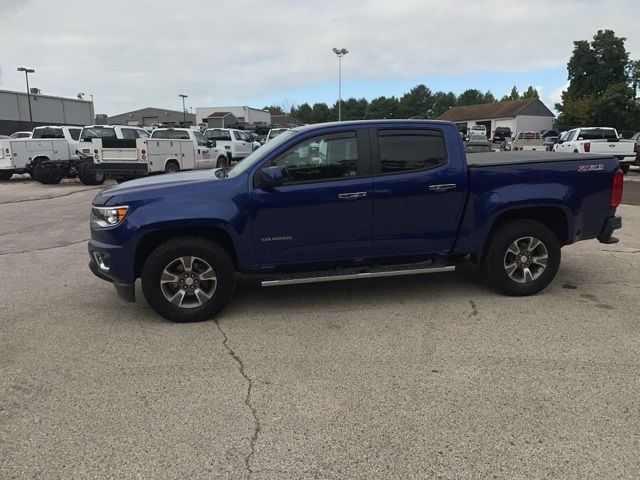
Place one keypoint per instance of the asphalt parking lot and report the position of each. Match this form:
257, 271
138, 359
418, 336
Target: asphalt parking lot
412, 377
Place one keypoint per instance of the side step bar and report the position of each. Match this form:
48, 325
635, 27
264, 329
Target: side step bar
357, 273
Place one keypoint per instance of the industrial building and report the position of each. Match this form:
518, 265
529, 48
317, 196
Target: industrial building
243, 115
19, 111
525, 115
151, 115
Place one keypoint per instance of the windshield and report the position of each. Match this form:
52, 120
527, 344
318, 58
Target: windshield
258, 154
48, 133
97, 132
598, 134
275, 132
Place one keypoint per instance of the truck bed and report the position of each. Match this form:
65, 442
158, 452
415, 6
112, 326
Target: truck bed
479, 160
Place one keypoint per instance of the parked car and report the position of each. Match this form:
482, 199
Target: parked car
187, 235
236, 143
500, 134
167, 150
21, 135
600, 140
636, 138
527, 141
548, 142
256, 139
544, 134
477, 130
48, 156
274, 132
478, 147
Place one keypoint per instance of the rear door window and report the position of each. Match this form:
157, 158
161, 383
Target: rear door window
171, 134
75, 133
128, 134
407, 150
48, 133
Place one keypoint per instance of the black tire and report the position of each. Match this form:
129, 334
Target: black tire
121, 179
172, 167
494, 261
47, 175
167, 254
6, 175
89, 176
222, 162
625, 167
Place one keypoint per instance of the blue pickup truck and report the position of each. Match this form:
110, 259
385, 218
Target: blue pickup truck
350, 200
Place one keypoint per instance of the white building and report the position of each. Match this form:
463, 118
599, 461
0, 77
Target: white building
526, 115
244, 114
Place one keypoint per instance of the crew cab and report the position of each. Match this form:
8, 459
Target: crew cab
49, 155
236, 143
350, 200
167, 150
599, 140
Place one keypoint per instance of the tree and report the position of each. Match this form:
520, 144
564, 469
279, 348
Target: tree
418, 101
303, 113
322, 113
383, 107
601, 84
274, 109
514, 95
530, 92
442, 101
354, 109
471, 96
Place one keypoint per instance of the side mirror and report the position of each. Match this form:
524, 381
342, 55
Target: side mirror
270, 177
559, 141
211, 144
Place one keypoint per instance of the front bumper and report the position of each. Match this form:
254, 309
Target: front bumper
118, 272
611, 224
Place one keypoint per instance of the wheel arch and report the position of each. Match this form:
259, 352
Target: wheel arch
554, 217
149, 241
169, 160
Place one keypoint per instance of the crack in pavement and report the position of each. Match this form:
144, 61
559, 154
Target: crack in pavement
50, 198
247, 400
474, 308
45, 248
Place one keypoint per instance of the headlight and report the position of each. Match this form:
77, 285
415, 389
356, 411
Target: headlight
108, 216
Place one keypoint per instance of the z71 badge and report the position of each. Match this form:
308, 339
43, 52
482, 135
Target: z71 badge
591, 168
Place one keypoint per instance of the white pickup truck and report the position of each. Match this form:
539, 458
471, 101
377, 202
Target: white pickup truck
599, 140
167, 150
236, 143
528, 141
48, 156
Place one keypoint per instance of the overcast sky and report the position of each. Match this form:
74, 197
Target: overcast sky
132, 54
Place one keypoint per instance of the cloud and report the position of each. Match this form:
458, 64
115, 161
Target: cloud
556, 95
131, 55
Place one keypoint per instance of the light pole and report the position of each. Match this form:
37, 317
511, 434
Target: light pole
340, 53
27, 71
184, 110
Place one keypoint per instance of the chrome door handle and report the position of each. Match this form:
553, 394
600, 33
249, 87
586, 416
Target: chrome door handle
443, 187
352, 195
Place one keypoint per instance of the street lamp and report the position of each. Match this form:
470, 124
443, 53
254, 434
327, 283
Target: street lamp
27, 71
340, 53
184, 110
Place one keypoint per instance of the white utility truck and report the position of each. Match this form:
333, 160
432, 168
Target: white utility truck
236, 143
167, 150
599, 140
528, 141
48, 156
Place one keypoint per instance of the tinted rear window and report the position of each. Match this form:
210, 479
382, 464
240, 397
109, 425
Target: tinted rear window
171, 134
216, 134
598, 134
403, 150
48, 133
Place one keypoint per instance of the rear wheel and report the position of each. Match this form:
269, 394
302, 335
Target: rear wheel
47, 175
188, 279
88, 174
625, 167
222, 161
522, 257
171, 167
6, 175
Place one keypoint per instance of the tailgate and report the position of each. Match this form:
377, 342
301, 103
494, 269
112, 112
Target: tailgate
116, 151
5, 155
617, 148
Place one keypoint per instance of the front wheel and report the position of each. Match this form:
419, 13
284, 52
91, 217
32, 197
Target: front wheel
188, 279
521, 258
6, 175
